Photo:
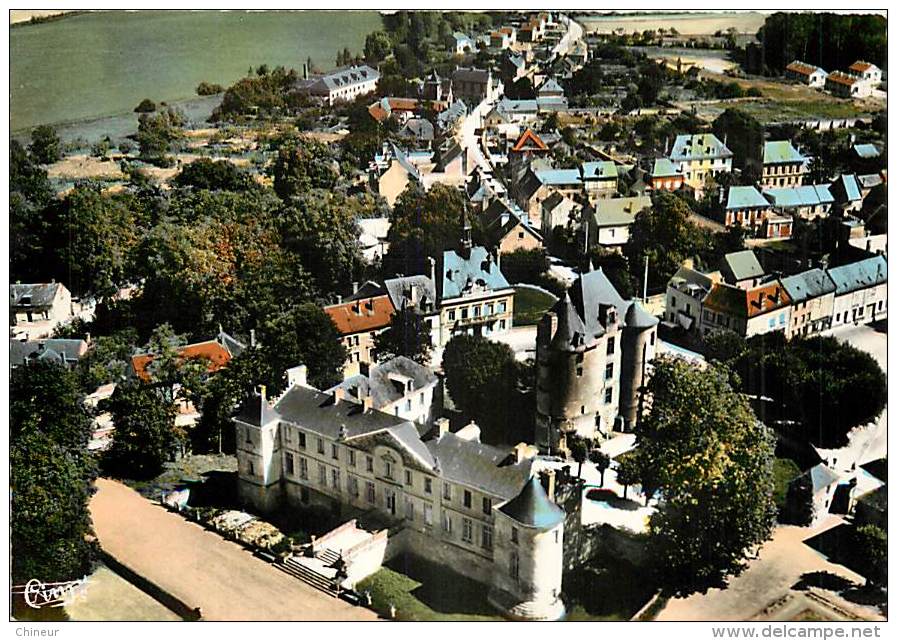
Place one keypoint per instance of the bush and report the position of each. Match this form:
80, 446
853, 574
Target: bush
146, 106
208, 89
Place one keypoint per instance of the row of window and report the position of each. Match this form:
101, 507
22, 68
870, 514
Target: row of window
475, 311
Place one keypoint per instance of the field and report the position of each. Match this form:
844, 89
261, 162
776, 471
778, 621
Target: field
687, 24
530, 305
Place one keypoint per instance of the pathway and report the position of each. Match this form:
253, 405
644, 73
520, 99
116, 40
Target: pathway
201, 568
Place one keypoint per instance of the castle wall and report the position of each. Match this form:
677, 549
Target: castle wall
638, 350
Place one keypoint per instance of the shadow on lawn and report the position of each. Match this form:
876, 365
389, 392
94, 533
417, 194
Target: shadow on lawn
442, 590
606, 588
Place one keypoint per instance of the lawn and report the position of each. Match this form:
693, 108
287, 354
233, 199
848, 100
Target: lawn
606, 589
784, 470
767, 111
435, 593
530, 305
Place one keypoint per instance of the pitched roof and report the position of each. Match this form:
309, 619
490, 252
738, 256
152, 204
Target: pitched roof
419, 128
846, 189
801, 196
379, 384
842, 78
859, 275
212, 351
463, 74
809, 284
360, 315
405, 289
698, 146
598, 170
743, 265
20, 351
745, 197
867, 151
477, 465
40, 294
529, 140
663, 168
71, 349
461, 275
803, 68
550, 86
343, 77
613, 212
747, 303
533, 508
780, 151
861, 66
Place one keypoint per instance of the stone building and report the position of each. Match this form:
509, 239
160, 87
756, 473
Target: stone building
446, 496
700, 156
39, 301
592, 350
358, 321
783, 165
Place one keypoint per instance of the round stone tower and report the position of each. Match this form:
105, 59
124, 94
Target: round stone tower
529, 556
639, 344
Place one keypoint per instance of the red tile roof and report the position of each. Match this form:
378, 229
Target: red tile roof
212, 351
364, 315
747, 303
861, 65
842, 78
529, 135
801, 68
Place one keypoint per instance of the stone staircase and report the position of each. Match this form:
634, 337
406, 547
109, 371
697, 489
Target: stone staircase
294, 567
327, 556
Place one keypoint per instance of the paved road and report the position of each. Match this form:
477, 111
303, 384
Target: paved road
574, 33
201, 568
782, 561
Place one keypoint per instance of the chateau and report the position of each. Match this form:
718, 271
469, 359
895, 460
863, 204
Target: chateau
592, 350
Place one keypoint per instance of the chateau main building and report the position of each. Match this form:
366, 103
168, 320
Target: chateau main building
478, 509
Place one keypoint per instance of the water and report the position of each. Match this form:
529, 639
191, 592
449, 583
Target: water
91, 66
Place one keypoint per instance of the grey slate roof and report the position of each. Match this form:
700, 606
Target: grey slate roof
809, 284
70, 348
742, 265
42, 294
533, 508
418, 128
19, 351
578, 324
379, 387
400, 291
698, 146
478, 465
342, 77
859, 275
458, 273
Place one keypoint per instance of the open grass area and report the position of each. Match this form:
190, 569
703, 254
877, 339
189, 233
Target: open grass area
606, 589
768, 111
784, 470
530, 305
424, 591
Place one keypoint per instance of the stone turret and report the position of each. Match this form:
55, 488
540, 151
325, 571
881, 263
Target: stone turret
639, 344
529, 553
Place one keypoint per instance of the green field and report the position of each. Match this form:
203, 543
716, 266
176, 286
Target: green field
530, 305
771, 111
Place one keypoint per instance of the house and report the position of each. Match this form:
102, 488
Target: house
513, 66
402, 109
747, 207
399, 386
809, 75
358, 322
783, 165
529, 144
473, 295
861, 291
503, 38
508, 229
64, 351
550, 89
391, 171
845, 85
372, 238
448, 120
699, 156
340, 85
685, 296
866, 71
39, 302
558, 211
449, 498
868, 182
532, 31
665, 175
418, 293
866, 151
592, 353
473, 85
806, 201
419, 130
435, 88
846, 193
460, 43
748, 312
216, 353
812, 296
607, 223
742, 269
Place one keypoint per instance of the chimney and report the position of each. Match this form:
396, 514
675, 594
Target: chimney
297, 376
367, 403
442, 427
432, 262
549, 480
338, 394
521, 452
339, 299
354, 286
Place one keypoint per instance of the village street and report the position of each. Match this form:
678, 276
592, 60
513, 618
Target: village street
202, 569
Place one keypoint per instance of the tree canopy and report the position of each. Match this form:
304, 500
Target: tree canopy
45, 146
408, 335
703, 449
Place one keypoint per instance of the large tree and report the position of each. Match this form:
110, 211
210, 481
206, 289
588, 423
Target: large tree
703, 449
145, 433
302, 164
742, 133
408, 335
205, 173
45, 146
484, 381
422, 225
29, 195
50, 475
